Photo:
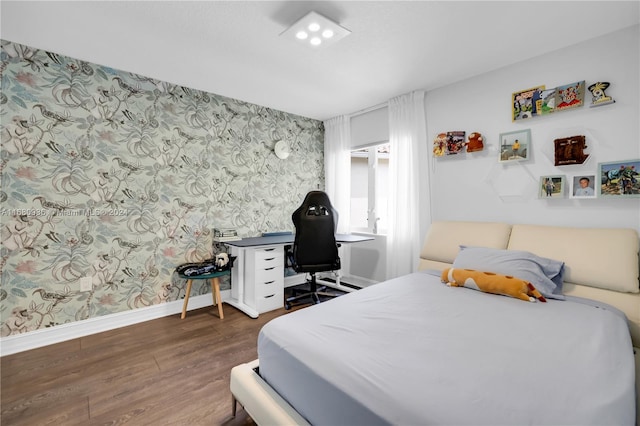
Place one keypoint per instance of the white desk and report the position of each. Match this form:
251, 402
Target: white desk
257, 276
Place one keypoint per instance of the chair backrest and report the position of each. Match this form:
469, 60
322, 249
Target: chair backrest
314, 247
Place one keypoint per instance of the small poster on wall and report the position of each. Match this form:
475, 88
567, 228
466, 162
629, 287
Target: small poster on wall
475, 142
548, 101
455, 142
570, 150
569, 96
598, 97
440, 145
527, 103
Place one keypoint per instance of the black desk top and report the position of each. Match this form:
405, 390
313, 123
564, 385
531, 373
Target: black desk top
288, 238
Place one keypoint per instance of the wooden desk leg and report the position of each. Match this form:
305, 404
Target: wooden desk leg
217, 298
186, 299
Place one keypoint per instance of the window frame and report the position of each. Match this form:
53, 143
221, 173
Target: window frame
373, 155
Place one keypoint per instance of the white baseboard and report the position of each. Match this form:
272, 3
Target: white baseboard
48, 336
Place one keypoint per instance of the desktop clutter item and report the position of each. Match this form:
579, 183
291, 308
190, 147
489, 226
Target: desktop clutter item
222, 261
314, 248
219, 262
211, 269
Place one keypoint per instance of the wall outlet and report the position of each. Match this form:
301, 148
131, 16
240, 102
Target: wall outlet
86, 284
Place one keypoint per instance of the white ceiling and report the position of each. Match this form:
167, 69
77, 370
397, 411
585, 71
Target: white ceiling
233, 48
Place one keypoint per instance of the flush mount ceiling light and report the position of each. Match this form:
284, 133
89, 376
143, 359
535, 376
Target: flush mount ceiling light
316, 31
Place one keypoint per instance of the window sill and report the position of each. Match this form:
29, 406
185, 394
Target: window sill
368, 234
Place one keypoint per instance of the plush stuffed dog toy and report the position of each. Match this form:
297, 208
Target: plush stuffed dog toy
492, 283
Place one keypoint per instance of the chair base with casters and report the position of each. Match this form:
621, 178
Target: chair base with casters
215, 290
313, 294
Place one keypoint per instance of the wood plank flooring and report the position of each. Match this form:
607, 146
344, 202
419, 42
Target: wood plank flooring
166, 371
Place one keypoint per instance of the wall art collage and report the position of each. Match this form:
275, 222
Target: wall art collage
617, 179
538, 101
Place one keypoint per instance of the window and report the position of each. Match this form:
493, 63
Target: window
369, 188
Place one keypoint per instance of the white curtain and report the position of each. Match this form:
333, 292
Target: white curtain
337, 168
407, 137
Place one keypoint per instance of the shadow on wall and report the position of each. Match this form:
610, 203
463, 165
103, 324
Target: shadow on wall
368, 259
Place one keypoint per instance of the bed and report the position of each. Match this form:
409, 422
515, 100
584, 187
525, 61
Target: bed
414, 351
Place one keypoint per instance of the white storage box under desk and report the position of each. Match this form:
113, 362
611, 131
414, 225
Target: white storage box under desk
264, 275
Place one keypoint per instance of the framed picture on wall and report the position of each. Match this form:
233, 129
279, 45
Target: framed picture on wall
583, 186
515, 146
552, 187
619, 179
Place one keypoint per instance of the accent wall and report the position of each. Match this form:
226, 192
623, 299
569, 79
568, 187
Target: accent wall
118, 178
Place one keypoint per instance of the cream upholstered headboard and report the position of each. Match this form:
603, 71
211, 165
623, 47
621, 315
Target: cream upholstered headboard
600, 263
444, 239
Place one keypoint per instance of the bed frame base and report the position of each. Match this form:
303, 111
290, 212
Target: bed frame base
263, 404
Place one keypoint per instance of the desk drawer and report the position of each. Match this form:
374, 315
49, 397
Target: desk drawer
273, 274
269, 258
267, 288
271, 301
264, 278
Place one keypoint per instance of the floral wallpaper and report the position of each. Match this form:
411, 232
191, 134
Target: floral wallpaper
119, 177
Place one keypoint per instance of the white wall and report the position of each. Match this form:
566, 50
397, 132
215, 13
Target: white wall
476, 187
461, 186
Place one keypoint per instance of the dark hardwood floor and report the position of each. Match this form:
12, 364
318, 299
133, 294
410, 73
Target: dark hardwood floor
161, 372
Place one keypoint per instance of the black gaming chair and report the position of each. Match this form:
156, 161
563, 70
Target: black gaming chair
314, 247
